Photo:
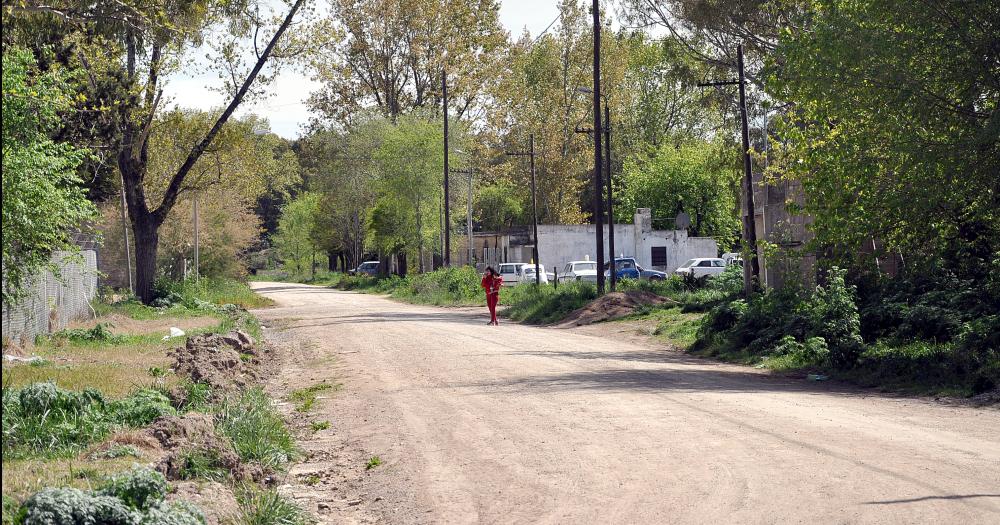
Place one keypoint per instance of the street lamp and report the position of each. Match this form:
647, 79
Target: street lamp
607, 165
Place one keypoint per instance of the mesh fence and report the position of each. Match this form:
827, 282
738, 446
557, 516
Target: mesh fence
54, 300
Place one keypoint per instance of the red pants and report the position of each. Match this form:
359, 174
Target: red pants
491, 300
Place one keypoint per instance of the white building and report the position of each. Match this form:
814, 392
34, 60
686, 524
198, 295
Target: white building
559, 244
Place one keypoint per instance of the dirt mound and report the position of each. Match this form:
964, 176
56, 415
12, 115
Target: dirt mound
614, 305
225, 362
215, 499
182, 436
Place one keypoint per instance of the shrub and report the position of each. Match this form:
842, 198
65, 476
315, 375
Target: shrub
138, 488
135, 497
256, 429
100, 333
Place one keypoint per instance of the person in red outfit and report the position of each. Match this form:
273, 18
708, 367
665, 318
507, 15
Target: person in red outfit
491, 284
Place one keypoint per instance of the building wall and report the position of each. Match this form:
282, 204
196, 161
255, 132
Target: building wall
560, 244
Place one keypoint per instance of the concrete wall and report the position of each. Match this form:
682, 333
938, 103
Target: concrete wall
560, 244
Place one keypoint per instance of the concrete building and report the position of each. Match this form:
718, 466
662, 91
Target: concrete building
559, 244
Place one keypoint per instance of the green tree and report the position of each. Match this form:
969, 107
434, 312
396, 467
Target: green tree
896, 128
699, 178
43, 201
138, 45
294, 239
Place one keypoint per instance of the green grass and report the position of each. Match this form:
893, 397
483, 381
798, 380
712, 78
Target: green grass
305, 398
373, 462
256, 430
202, 463
673, 324
545, 304
317, 426
267, 507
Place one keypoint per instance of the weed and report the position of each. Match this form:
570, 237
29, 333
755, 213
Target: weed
196, 397
373, 462
267, 507
100, 333
156, 372
311, 480
545, 304
256, 429
117, 451
306, 397
319, 425
202, 463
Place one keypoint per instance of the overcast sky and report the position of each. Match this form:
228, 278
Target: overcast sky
286, 109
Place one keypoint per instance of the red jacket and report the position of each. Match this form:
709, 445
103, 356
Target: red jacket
492, 284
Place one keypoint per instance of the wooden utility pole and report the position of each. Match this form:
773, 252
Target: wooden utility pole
534, 204
751, 266
611, 218
598, 135
447, 214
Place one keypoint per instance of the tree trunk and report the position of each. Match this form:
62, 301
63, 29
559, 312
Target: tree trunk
401, 263
147, 238
331, 260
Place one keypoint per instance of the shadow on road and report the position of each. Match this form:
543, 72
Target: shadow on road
928, 498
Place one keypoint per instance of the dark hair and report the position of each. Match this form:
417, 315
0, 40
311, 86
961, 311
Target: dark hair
491, 271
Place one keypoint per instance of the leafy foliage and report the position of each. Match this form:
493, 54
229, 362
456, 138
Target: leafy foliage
135, 497
43, 201
294, 240
699, 178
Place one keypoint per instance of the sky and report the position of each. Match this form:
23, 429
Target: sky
286, 109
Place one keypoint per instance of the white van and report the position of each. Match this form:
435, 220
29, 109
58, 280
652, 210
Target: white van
510, 272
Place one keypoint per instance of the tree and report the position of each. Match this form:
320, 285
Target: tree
138, 45
699, 178
294, 240
896, 132
395, 52
409, 187
43, 201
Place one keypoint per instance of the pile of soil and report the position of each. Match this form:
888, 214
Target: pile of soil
178, 435
226, 362
612, 306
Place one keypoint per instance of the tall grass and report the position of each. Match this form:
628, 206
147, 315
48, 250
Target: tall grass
256, 429
545, 304
267, 507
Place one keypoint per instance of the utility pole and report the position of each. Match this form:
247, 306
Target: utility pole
751, 266
447, 215
598, 130
534, 205
196, 254
611, 216
468, 213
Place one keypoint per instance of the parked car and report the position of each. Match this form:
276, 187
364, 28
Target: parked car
369, 268
527, 274
628, 268
579, 271
510, 272
733, 259
702, 266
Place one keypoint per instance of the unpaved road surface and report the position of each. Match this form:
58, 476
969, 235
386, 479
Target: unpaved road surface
518, 424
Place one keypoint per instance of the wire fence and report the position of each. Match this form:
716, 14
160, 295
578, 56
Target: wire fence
54, 299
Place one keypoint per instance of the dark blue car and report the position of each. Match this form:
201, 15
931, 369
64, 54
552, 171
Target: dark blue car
628, 268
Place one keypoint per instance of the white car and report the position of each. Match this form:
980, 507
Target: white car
579, 271
510, 272
702, 267
527, 274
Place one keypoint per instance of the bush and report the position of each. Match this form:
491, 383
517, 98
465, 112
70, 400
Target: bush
135, 497
256, 429
788, 321
191, 294
100, 333
42, 418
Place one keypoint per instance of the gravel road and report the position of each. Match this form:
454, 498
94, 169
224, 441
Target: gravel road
518, 424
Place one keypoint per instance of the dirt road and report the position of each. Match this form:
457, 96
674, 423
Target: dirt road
517, 424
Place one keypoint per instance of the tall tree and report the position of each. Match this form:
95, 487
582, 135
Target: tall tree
896, 133
139, 44
395, 52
